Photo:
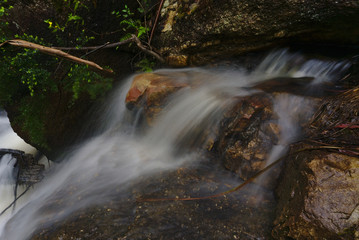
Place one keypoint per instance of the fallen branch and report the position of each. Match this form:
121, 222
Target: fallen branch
133, 38
56, 53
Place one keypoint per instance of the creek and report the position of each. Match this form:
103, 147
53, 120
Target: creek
125, 159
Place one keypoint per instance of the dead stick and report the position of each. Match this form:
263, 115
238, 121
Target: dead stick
110, 45
96, 49
55, 52
144, 49
155, 23
13, 202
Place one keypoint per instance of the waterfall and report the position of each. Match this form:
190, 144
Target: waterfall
7, 180
115, 156
9, 139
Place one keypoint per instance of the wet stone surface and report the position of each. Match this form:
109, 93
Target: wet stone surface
324, 188
27, 169
247, 134
241, 215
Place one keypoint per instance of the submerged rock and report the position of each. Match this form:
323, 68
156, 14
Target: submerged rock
131, 216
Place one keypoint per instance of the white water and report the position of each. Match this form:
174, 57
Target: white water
109, 162
7, 180
9, 139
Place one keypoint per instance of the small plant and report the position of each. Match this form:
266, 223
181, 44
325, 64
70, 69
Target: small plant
82, 80
132, 25
145, 65
69, 22
4, 8
26, 68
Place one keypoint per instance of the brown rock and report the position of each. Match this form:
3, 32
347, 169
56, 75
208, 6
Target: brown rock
319, 197
247, 135
150, 91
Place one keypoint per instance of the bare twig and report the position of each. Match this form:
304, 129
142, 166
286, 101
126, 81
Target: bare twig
110, 45
155, 23
55, 52
14, 202
133, 38
96, 49
144, 49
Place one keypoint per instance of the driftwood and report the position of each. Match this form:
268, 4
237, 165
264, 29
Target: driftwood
55, 52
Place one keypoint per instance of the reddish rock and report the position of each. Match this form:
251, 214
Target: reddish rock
149, 91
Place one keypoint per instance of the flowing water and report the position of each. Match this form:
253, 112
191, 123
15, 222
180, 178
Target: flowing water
119, 154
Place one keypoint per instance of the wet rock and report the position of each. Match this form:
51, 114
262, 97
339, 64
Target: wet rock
29, 171
247, 134
130, 216
323, 185
318, 196
197, 31
149, 91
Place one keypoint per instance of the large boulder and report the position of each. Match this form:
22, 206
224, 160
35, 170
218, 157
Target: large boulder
324, 188
194, 32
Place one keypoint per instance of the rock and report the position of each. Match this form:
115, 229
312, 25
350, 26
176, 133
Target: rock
152, 88
323, 185
29, 170
247, 135
235, 216
324, 188
150, 91
198, 31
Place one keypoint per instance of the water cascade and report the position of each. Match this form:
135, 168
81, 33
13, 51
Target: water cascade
117, 156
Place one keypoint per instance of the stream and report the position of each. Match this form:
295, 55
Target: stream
126, 160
